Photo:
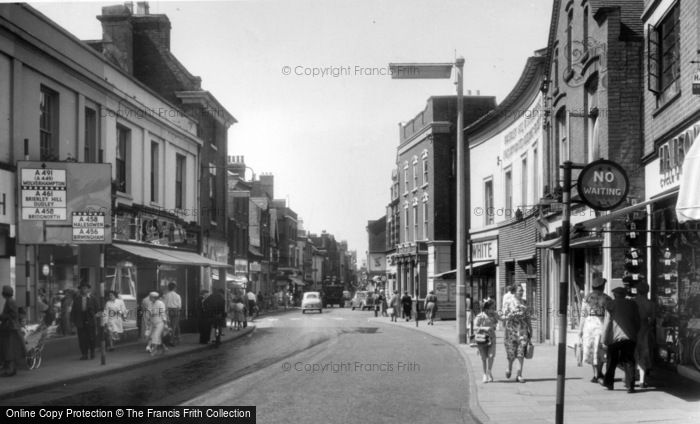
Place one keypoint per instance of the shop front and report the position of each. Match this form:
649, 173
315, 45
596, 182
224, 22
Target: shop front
674, 248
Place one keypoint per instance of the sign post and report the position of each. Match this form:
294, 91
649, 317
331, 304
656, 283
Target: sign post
602, 185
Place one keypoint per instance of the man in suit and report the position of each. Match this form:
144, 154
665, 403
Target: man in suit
215, 307
85, 310
621, 338
202, 315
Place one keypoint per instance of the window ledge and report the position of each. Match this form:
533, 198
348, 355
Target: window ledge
124, 198
666, 104
424, 186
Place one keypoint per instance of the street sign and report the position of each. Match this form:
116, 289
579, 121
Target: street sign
88, 226
43, 192
696, 82
64, 203
603, 185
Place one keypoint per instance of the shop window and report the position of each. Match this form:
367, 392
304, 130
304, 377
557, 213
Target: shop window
179, 181
154, 171
488, 202
509, 192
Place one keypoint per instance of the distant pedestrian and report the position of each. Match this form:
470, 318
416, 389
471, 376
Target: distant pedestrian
644, 351
430, 307
485, 336
11, 341
406, 303
518, 332
620, 335
113, 317
383, 304
173, 304
215, 306
395, 305
86, 310
591, 328
238, 317
202, 315
508, 296
260, 301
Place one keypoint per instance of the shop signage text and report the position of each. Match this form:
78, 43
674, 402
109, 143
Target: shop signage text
484, 250
696, 82
603, 185
43, 192
88, 226
672, 154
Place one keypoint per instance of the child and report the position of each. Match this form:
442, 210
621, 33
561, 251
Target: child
485, 328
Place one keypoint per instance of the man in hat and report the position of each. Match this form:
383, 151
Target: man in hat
85, 310
621, 338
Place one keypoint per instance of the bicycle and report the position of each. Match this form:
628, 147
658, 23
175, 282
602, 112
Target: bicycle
693, 334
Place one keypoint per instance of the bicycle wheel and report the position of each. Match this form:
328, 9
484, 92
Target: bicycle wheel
695, 352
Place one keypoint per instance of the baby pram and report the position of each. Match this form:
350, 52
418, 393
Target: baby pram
34, 337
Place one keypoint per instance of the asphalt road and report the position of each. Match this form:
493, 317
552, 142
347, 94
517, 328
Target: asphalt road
334, 367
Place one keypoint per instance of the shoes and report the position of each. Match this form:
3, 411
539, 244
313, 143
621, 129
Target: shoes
631, 390
507, 373
490, 376
609, 387
485, 379
644, 385
519, 379
594, 380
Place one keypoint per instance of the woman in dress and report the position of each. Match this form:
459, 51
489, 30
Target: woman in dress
645, 339
518, 331
486, 322
114, 315
239, 312
591, 328
157, 317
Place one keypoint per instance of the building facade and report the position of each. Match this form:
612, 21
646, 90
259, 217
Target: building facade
505, 167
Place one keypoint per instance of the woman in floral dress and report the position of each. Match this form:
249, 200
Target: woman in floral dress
591, 329
518, 331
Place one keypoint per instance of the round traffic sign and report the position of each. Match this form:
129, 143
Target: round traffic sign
603, 185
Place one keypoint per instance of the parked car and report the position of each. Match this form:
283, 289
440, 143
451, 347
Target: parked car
363, 300
311, 301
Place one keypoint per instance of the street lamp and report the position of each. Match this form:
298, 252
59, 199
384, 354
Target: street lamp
444, 71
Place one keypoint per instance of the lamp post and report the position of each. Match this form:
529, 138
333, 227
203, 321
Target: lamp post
443, 71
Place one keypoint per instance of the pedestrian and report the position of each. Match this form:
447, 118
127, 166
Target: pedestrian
215, 306
644, 349
620, 335
238, 316
406, 303
518, 331
11, 340
173, 304
202, 315
508, 296
85, 311
591, 328
485, 335
260, 301
157, 320
252, 300
67, 312
383, 304
395, 305
113, 317
430, 307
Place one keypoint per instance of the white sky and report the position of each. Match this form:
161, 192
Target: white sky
331, 141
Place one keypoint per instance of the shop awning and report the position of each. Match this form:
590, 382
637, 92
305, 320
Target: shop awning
576, 243
688, 204
604, 219
255, 251
168, 256
476, 265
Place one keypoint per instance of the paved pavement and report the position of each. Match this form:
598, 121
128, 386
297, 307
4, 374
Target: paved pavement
670, 399
68, 369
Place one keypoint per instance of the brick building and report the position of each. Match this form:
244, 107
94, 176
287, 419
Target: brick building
426, 207
593, 95
671, 129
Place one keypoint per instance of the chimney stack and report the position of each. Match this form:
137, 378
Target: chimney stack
118, 35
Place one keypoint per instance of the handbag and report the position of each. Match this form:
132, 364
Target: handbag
390, 311
482, 337
529, 350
